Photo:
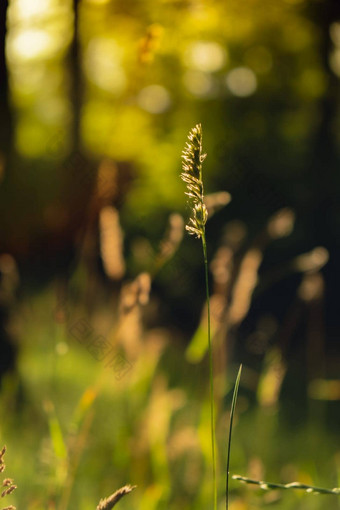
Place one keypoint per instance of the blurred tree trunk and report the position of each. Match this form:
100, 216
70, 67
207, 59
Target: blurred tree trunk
5, 125
75, 64
7, 351
79, 171
79, 179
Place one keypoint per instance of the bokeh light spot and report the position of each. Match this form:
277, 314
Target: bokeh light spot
103, 66
334, 32
28, 9
334, 61
31, 44
198, 83
241, 81
154, 99
205, 56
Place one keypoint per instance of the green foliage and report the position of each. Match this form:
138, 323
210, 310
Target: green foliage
151, 428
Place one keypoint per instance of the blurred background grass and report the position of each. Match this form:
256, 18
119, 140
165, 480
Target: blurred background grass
104, 376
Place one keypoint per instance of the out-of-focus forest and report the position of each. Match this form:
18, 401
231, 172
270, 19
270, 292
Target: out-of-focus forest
104, 375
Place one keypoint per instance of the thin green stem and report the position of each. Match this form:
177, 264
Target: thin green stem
233, 405
211, 372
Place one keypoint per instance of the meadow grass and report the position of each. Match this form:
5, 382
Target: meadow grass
192, 175
122, 445
156, 427
266, 486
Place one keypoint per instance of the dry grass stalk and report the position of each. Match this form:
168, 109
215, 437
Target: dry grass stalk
111, 243
2, 453
192, 159
172, 238
129, 330
7, 483
216, 201
108, 503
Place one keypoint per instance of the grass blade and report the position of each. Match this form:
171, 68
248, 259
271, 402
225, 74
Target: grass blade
294, 485
233, 405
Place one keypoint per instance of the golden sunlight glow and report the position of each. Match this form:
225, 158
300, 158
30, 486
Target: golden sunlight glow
103, 65
31, 44
199, 83
39, 34
97, 2
38, 30
205, 56
241, 81
154, 99
31, 10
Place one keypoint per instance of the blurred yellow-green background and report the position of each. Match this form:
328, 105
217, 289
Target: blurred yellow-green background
104, 374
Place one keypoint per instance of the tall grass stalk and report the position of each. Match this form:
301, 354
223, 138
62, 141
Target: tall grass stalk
192, 159
211, 373
232, 411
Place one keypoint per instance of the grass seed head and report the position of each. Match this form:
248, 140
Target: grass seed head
192, 159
